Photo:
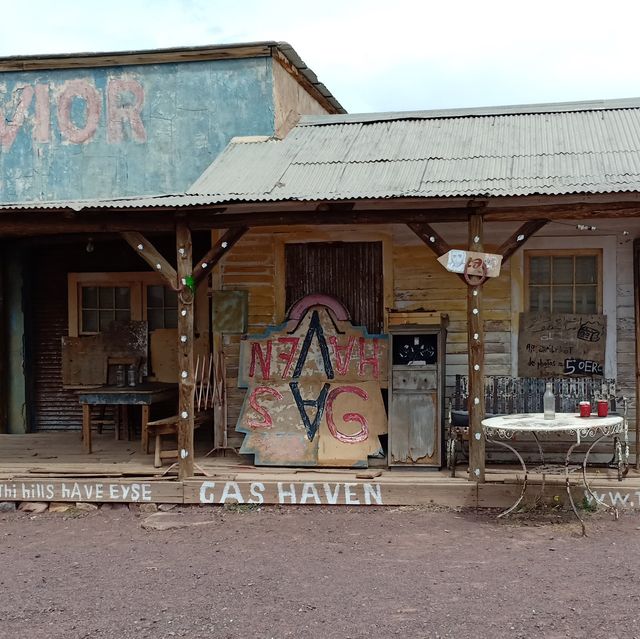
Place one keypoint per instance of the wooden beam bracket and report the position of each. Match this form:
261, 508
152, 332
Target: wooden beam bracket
150, 254
430, 237
511, 245
213, 256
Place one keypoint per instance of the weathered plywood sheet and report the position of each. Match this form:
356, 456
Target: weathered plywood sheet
353, 421
83, 361
164, 353
127, 339
553, 345
313, 395
313, 424
318, 347
274, 429
85, 358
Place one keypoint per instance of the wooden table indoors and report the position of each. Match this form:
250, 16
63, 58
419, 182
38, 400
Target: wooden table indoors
143, 395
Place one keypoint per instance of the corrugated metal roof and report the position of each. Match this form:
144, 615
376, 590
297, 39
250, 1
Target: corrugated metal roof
558, 149
584, 147
134, 202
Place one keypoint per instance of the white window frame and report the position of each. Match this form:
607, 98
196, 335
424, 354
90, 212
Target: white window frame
519, 296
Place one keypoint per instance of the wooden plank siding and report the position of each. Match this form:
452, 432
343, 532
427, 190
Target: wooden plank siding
249, 266
419, 282
625, 321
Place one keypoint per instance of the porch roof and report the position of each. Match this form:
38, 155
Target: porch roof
544, 149
574, 151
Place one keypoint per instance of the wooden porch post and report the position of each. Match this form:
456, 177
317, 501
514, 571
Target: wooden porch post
186, 384
636, 294
475, 337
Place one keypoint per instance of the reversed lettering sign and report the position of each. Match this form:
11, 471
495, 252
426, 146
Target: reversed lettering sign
553, 345
73, 111
313, 392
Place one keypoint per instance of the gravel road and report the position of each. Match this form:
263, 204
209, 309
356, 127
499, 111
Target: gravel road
316, 573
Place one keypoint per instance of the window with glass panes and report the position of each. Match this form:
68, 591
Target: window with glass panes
97, 299
101, 305
162, 307
563, 282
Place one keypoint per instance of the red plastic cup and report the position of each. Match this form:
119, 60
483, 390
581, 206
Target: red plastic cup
585, 409
603, 408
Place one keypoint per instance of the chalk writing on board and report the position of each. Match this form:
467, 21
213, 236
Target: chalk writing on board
582, 367
551, 345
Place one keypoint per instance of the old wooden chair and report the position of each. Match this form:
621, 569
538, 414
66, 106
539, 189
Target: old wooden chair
204, 403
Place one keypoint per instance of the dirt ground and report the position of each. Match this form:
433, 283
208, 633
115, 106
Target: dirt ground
317, 573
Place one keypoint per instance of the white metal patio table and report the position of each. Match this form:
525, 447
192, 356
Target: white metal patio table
502, 429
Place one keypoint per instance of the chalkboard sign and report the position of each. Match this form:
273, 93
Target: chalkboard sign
557, 344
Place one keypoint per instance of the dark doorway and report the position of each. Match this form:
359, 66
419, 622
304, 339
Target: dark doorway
349, 271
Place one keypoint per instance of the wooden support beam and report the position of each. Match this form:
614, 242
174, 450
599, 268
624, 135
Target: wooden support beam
186, 373
511, 245
636, 284
213, 256
475, 337
130, 221
150, 254
577, 211
4, 371
431, 238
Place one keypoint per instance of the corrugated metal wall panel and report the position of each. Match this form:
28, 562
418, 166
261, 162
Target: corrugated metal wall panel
52, 406
348, 271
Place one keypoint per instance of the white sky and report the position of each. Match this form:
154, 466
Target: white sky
373, 55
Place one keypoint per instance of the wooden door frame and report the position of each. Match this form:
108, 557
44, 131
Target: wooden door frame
308, 235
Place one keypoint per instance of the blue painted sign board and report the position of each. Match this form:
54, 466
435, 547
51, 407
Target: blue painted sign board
117, 131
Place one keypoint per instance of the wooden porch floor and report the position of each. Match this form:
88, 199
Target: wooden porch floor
53, 467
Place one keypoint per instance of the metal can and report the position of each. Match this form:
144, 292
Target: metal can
585, 409
603, 408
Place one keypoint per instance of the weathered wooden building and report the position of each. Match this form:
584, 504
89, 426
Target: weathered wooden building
349, 214
551, 188
114, 125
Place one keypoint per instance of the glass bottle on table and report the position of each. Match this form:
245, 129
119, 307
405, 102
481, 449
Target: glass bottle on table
549, 402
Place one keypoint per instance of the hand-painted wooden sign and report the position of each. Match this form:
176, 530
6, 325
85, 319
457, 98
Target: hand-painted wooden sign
472, 263
91, 490
313, 389
308, 492
552, 345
